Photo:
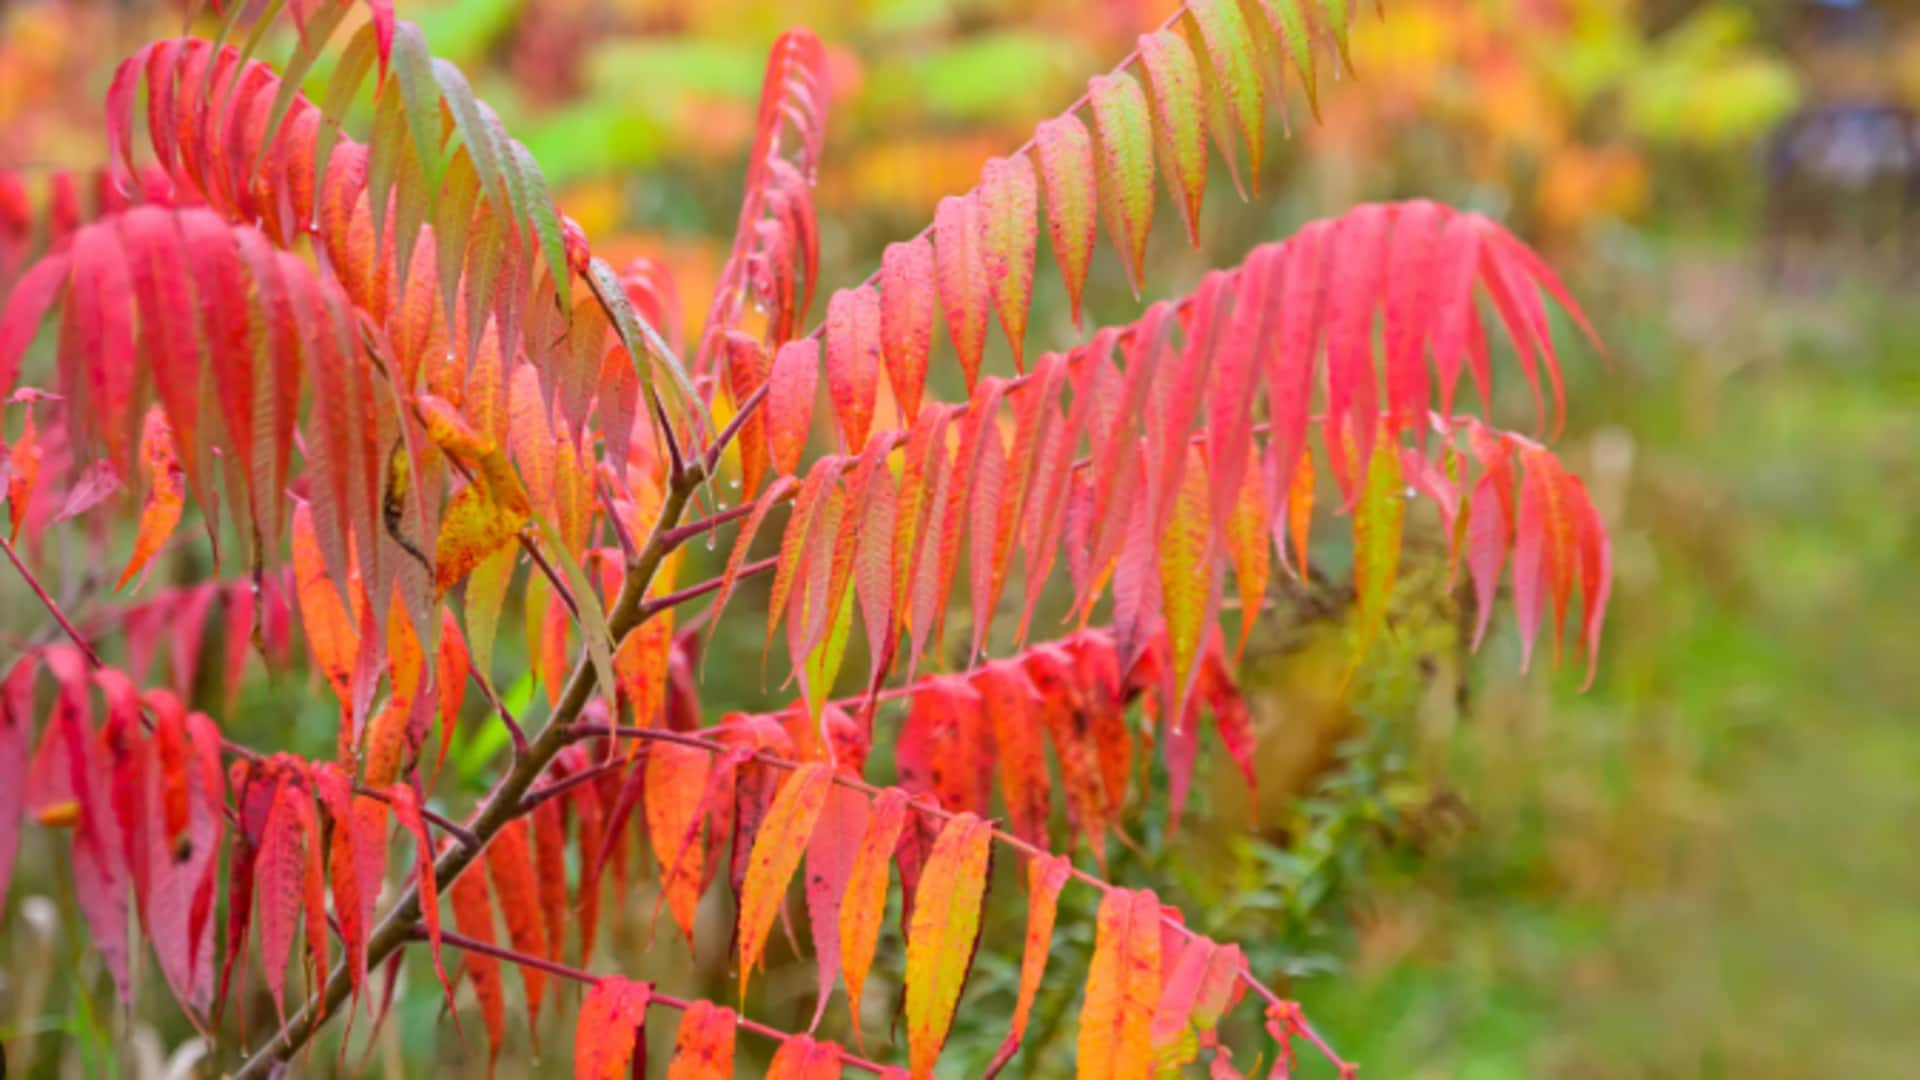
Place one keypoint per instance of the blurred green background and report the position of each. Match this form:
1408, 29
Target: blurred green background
1705, 866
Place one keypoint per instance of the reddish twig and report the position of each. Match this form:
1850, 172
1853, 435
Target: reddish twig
588, 978
695, 592
53, 607
560, 787
1031, 850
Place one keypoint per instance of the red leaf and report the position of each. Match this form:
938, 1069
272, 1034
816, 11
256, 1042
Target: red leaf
1359, 247
747, 370
743, 545
1411, 301
1012, 706
961, 268
1068, 717
853, 360
335, 791
988, 469
874, 574
613, 1016
28, 298
16, 720
944, 747
278, 882
907, 290
96, 340
790, 391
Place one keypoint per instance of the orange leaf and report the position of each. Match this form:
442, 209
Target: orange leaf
1246, 539
406, 807
166, 489
704, 1048
510, 866
612, 1016
940, 938
776, 855
676, 779
23, 459
802, 1057
1123, 986
864, 904
330, 629
1044, 879
473, 913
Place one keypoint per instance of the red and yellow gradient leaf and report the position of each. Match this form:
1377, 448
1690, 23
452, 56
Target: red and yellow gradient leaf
940, 937
1188, 577
1124, 144
1235, 83
1064, 150
776, 855
1174, 90
1009, 207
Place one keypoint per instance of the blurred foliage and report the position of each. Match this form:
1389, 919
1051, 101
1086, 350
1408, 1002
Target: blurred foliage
1701, 867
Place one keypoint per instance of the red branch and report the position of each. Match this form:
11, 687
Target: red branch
52, 607
1032, 851
654, 997
695, 592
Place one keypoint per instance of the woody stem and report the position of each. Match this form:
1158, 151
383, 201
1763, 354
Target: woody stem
504, 804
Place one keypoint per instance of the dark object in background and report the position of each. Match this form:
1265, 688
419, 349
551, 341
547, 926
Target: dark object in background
1843, 179
1843, 173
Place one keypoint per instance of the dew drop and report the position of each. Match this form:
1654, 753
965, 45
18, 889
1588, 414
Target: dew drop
734, 483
